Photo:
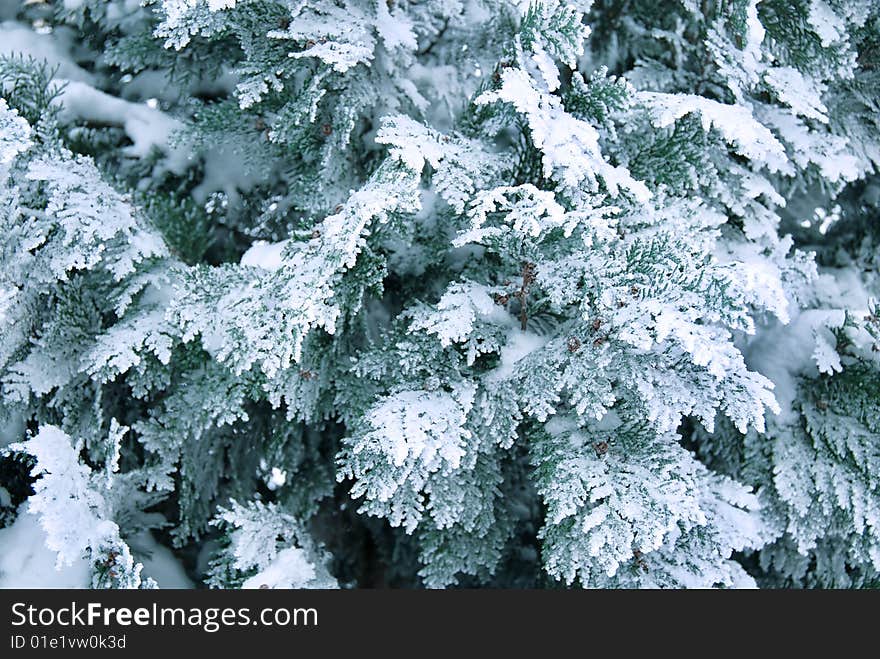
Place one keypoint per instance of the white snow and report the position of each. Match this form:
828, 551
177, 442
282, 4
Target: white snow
68, 501
15, 138
827, 24
291, 568
755, 34
829, 152
54, 49
423, 426
341, 56
570, 147
265, 255
530, 211
146, 126
395, 29
803, 95
517, 347
277, 478
159, 562
457, 311
827, 359
736, 124
784, 353
27, 562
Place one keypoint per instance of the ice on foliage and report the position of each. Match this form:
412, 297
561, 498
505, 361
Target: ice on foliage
755, 34
615, 499
825, 355
289, 569
340, 36
569, 146
341, 56
786, 353
637, 312
270, 545
93, 219
461, 166
657, 322
6, 302
708, 346
822, 500
407, 437
554, 28
807, 146
802, 95
756, 276
546, 67
421, 427
529, 211
15, 136
410, 142
184, 19
123, 346
702, 556
826, 23
394, 27
72, 511
453, 318
246, 318
668, 391
735, 123
77, 224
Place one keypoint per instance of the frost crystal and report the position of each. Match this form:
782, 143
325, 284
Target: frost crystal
407, 293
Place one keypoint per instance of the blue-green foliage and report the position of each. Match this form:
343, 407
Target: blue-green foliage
403, 293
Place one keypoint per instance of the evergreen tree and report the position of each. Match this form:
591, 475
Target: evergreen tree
428, 293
